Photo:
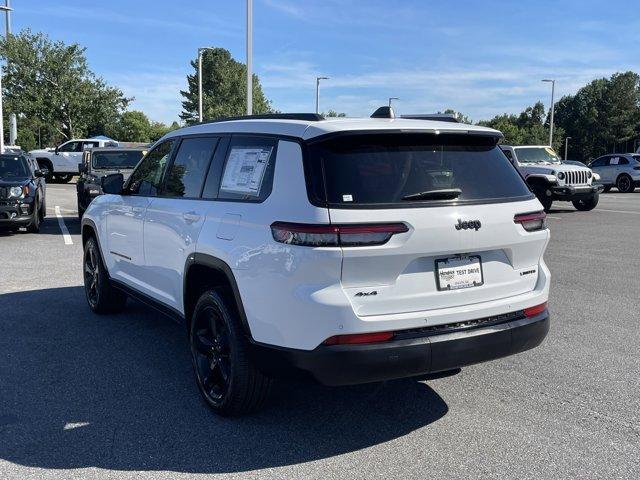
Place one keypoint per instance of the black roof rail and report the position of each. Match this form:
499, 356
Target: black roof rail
439, 117
307, 117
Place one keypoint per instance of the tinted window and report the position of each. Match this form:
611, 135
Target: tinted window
508, 154
90, 145
623, 161
146, 178
116, 159
187, 173
384, 169
636, 158
13, 167
600, 162
71, 147
248, 168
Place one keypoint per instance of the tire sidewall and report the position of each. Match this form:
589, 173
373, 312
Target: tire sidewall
91, 244
629, 179
214, 299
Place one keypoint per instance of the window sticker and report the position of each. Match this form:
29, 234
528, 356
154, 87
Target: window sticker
615, 161
347, 198
245, 170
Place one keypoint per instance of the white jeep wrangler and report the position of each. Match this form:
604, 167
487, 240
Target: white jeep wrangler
349, 250
551, 179
62, 161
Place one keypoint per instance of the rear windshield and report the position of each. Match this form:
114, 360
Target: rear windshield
116, 160
398, 170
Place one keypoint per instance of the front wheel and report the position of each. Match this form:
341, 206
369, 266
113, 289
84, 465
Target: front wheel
625, 184
588, 204
34, 226
544, 200
102, 297
226, 376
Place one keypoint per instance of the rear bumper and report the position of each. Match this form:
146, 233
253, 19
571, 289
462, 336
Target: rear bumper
405, 357
571, 192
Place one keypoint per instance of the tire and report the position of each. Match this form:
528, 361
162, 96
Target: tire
625, 184
44, 163
588, 204
64, 177
34, 226
226, 377
101, 296
544, 200
606, 189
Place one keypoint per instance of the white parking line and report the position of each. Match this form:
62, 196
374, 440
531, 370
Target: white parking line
63, 228
615, 211
555, 218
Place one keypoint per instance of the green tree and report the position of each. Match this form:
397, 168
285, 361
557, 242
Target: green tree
602, 117
223, 86
53, 91
333, 114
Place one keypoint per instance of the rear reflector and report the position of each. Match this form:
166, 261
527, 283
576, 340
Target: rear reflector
359, 338
532, 222
335, 235
537, 310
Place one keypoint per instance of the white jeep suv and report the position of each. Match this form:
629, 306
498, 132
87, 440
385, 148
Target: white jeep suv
350, 250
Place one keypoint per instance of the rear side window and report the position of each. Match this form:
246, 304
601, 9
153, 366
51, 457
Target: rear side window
396, 170
187, 173
248, 169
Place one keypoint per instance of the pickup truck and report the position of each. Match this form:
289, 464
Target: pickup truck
61, 163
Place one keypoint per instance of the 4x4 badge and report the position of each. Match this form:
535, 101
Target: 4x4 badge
469, 224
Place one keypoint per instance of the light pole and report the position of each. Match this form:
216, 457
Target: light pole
391, 99
7, 10
318, 92
200, 51
553, 107
566, 147
249, 57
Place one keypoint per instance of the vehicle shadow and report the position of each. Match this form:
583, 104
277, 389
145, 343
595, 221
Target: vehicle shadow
48, 227
117, 392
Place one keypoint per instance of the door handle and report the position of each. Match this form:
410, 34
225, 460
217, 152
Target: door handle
190, 217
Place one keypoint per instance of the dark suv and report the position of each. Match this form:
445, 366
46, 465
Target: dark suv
98, 162
22, 193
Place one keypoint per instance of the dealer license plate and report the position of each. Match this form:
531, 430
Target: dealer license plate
459, 272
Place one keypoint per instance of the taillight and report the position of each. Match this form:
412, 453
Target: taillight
359, 338
536, 310
335, 235
532, 222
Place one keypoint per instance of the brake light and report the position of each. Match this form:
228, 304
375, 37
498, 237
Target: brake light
537, 310
335, 235
359, 338
532, 222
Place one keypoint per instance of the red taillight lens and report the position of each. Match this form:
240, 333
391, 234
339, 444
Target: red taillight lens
359, 338
335, 235
537, 310
532, 222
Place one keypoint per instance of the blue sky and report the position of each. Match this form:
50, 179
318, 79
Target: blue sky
478, 57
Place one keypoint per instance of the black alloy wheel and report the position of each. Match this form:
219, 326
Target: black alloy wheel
211, 354
625, 184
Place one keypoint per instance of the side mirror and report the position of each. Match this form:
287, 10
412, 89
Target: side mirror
113, 183
82, 168
56, 151
39, 173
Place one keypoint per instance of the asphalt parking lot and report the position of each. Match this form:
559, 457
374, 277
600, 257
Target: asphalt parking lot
83, 396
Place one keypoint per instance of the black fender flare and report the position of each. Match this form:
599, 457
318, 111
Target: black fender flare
221, 266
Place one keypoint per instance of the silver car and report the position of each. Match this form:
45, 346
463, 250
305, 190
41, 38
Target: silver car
620, 170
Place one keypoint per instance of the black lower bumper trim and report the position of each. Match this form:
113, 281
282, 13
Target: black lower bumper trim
354, 364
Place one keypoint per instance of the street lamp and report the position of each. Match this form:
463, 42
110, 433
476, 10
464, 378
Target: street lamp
249, 57
391, 99
7, 10
200, 51
318, 92
553, 87
566, 147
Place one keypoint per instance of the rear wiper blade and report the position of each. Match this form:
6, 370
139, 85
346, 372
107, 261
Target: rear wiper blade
442, 194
